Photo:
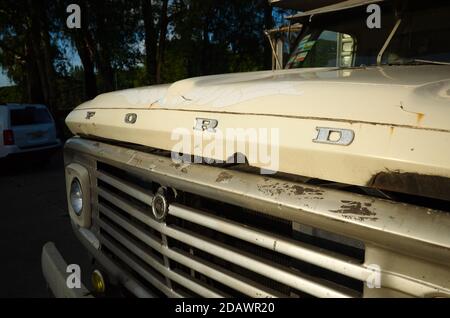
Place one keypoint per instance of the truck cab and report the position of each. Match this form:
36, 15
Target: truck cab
329, 177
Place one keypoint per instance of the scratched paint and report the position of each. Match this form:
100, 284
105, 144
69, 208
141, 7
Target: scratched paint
227, 95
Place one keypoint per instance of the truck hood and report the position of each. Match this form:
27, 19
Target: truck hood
399, 116
415, 96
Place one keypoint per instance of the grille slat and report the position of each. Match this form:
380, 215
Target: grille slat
325, 259
173, 275
238, 282
135, 266
277, 272
130, 189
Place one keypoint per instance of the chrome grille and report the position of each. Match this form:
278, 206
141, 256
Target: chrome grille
211, 249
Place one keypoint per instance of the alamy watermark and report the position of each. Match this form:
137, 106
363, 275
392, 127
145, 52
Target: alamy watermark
254, 146
374, 278
73, 280
74, 19
374, 19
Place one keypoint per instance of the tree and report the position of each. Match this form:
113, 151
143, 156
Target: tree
125, 43
85, 46
151, 39
162, 39
157, 15
224, 35
104, 27
27, 52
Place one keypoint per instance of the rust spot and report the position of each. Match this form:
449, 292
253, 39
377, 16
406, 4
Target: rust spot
224, 177
355, 208
420, 117
391, 131
178, 166
299, 190
271, 189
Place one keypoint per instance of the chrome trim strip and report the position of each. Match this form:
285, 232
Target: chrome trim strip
130, 189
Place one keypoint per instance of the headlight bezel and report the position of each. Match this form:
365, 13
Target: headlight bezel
77, 172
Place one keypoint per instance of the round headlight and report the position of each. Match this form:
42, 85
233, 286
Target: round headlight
76, 197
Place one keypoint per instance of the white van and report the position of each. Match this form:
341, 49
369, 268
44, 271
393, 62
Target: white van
26, 128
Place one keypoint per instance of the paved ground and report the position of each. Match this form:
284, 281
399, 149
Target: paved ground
32, 212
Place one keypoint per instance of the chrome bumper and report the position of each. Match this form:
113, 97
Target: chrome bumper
54, 269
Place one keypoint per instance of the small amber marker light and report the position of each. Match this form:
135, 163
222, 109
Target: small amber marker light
98, 282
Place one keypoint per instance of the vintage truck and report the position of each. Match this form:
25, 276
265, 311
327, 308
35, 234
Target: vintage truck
352, 196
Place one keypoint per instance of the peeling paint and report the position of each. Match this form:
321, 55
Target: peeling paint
180, 167
278, 188
299, 190
226, 95
271, 189
224, 177
356, 211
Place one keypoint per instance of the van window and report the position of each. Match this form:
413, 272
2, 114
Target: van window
30, 116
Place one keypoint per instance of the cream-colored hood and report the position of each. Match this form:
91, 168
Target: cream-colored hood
417, 96
400, 116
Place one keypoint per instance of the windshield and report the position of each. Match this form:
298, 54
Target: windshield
343, 39
422, 35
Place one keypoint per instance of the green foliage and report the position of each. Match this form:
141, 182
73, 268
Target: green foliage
202, 37
11, 94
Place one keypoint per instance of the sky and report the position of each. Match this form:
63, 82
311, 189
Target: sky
4, 80
69, 52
